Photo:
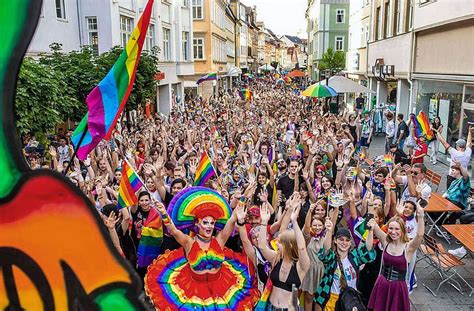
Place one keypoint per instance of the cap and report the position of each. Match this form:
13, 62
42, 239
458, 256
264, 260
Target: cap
461, 143
254, 211
343, 232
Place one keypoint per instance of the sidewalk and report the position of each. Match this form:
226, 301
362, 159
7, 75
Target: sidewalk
448, 298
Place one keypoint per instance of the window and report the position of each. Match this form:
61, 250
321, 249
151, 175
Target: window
363, 38
150, 38
198, 48
125, 29
340, 18
92, 34
378, 25
366, 34
218, 15
186, 3
410, 15
166, 44
219, 50
60, 9
339, 43
398, 13
387, 20
185, 45
197, 9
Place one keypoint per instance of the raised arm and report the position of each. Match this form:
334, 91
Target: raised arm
224, 235
184, 240
303, 262
247, 245
268, 253
328, 236
469, 137
416, 242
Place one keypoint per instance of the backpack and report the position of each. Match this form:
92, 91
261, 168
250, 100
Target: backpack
350, 298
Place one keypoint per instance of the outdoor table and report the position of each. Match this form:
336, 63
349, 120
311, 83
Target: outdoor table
438, 204
465, 235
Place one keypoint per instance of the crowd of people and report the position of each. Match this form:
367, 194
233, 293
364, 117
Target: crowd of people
313, 213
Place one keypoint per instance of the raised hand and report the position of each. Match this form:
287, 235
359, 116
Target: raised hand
111, 220
264, 214
328, 224
241, 212
263, 195
420, 212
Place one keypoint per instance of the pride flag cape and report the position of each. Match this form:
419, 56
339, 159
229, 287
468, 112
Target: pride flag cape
422, 126
130, 183
107, 100
245, 94
204, 171
151, 238
208, 77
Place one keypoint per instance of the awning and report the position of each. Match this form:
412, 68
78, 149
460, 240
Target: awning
343, 85
233, 72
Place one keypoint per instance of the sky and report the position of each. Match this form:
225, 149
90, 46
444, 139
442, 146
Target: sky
283, 17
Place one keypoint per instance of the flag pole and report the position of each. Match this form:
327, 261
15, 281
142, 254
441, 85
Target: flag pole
83, 135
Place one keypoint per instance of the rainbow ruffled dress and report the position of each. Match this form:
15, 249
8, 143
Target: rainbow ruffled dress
173, 284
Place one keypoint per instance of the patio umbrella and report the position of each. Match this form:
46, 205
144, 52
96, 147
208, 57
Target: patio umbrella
344, 85
318, 90
296, 74
266, 67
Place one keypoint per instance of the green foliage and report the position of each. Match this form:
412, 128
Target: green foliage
42, 99
333, 61
54, 88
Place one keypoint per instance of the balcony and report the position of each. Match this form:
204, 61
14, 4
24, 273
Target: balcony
185, 68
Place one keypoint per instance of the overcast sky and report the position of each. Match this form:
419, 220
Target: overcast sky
283, 17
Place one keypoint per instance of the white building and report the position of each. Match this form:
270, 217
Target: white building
105, 24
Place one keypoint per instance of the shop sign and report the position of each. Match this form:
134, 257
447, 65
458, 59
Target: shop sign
354, 61
382, 71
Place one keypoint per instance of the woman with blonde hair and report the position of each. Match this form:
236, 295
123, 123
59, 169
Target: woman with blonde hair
289, 263
390, 291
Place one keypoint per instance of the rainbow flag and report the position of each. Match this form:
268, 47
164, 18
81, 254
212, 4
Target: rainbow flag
208, 77
232, 150
204, 170
388, 160
262, 303
151, 238
300, 148
130, 183
107, 100
422, 126
246, 94
355, 172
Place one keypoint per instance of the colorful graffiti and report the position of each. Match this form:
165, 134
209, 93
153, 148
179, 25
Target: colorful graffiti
54, 252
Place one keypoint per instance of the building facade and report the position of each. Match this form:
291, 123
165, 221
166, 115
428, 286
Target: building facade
444, 88
328, 27
105, 24
359, 30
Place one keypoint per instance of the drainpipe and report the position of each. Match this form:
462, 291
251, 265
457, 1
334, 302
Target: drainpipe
79, 24
412, 56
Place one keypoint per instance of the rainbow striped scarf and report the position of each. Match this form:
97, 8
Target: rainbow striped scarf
262, 303
151, 238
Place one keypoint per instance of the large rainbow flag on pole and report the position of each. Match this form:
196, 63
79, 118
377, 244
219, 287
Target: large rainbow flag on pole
130, 183
208, 77
204, 171
422, 126
107, 100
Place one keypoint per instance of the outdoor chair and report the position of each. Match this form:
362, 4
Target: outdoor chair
434, 179
444, 264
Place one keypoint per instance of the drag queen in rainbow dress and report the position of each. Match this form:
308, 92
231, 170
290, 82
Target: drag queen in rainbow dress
202, 274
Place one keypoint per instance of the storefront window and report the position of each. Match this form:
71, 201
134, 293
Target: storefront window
443, 99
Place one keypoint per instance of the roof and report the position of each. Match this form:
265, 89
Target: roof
294, 39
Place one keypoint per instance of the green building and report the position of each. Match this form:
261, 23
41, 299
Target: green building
328, 27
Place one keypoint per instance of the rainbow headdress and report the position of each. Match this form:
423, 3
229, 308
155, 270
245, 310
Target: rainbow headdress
246, 94
196, 202
151, 238
107, 100
422, 126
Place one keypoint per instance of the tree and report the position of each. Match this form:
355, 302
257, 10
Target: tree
42, 98
333, 61
55, 87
